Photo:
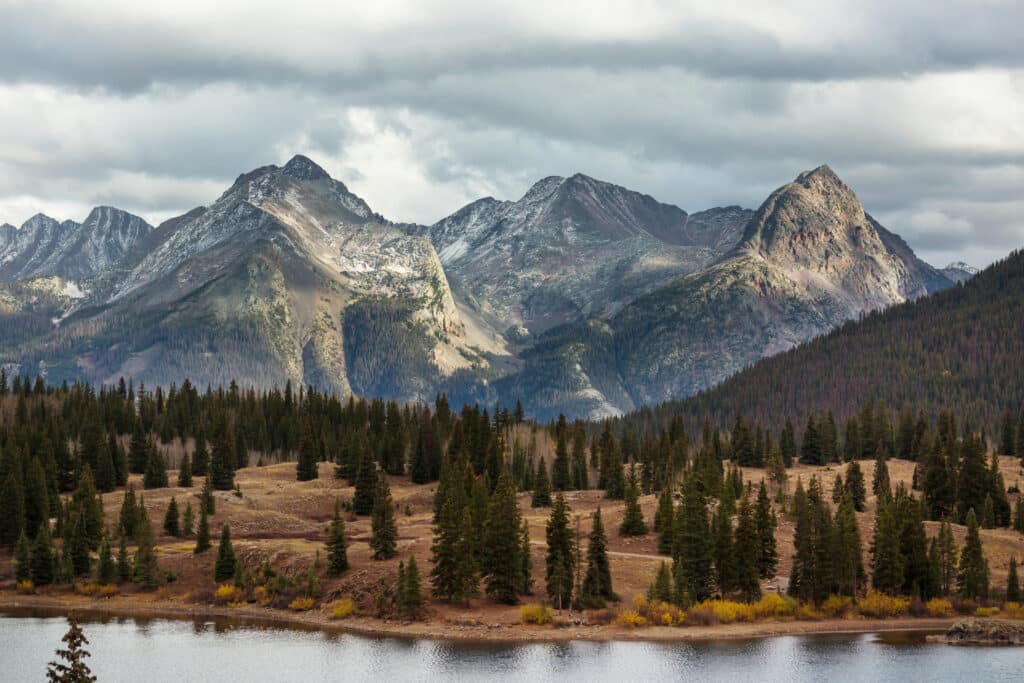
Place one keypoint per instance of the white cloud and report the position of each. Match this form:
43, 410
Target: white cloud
422, 107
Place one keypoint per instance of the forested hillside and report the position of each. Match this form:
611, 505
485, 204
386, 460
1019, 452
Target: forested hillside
960, 348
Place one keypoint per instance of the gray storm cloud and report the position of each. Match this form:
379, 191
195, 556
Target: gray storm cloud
422, 107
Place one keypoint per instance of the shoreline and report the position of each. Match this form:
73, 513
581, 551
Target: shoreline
504, 633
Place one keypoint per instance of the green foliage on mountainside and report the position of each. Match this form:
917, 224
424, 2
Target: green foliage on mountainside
961, 347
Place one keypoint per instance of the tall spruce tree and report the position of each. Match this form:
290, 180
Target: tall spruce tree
222, 462
366, 485
747, 572
854, 486
172, 519
1013, 582
306, 468
692, 554
541, 486
560, 472
384, 533
500, 565
185, 472
155, 476
337, 546
973, 576
42, 557
765, 522
224, 567
597, 583
848, 565
886, 559
561, 555
202, 532
633, 518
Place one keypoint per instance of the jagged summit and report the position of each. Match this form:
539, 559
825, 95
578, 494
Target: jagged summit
303, 168
960, 265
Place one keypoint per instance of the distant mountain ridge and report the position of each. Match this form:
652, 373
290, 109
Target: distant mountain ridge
581, 297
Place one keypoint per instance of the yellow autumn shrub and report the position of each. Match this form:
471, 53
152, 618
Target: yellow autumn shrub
630, 618
343, 609
1013, 610
107, 591
25, 587
534, 614
837, 606
807, 612
228, 593
301, 604
939, 607
773, 605
986, 611
723, 611
882, 606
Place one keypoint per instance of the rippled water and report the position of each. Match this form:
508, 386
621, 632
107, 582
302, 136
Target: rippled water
163, 650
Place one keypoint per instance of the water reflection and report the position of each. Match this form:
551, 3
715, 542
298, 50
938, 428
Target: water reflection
219, 649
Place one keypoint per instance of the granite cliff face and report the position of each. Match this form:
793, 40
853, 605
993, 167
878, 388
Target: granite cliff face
287, 276
809, 260
573, 248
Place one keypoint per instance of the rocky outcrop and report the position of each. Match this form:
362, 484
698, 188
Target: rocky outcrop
573, 248
983, 632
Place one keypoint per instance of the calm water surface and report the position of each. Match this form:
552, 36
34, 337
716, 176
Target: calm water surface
154, 651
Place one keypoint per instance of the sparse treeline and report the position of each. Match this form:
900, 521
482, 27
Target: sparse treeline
61, 446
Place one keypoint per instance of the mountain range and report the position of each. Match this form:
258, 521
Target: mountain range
581, 297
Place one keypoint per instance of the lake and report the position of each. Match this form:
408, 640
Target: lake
158, 650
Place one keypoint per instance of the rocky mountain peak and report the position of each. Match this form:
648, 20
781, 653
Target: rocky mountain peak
302, 167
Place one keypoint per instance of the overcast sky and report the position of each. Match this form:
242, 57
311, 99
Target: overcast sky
421, 107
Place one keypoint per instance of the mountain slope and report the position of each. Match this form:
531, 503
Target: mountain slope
958, 271
960, 347
810, 259
263, 286
572, 248
43, 247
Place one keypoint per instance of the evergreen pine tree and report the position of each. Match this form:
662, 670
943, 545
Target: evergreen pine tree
1013, 582
201, 457
222, 461
560, 475
106, 474
525, 561
224, 567
855, 486
692, 554
42, 557
597, 584
661, 589
206, 500
384, 532
145, 569
124, 567
155, 476
412, 597
880, 485
500, 565
22, 559
666, 527
633, 518
948, 556
106, 569
972, 578
847, 561
12, 508
202, 532
1007, 442
185, 472
172, 519
366, 484
765, 522
37, 496
722, 547
306, 468
747, 571
886, 560
561, 554
541, 487
187, 520
138, 449
337, 546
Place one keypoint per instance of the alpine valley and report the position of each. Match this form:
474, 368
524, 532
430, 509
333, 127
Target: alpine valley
581, 297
